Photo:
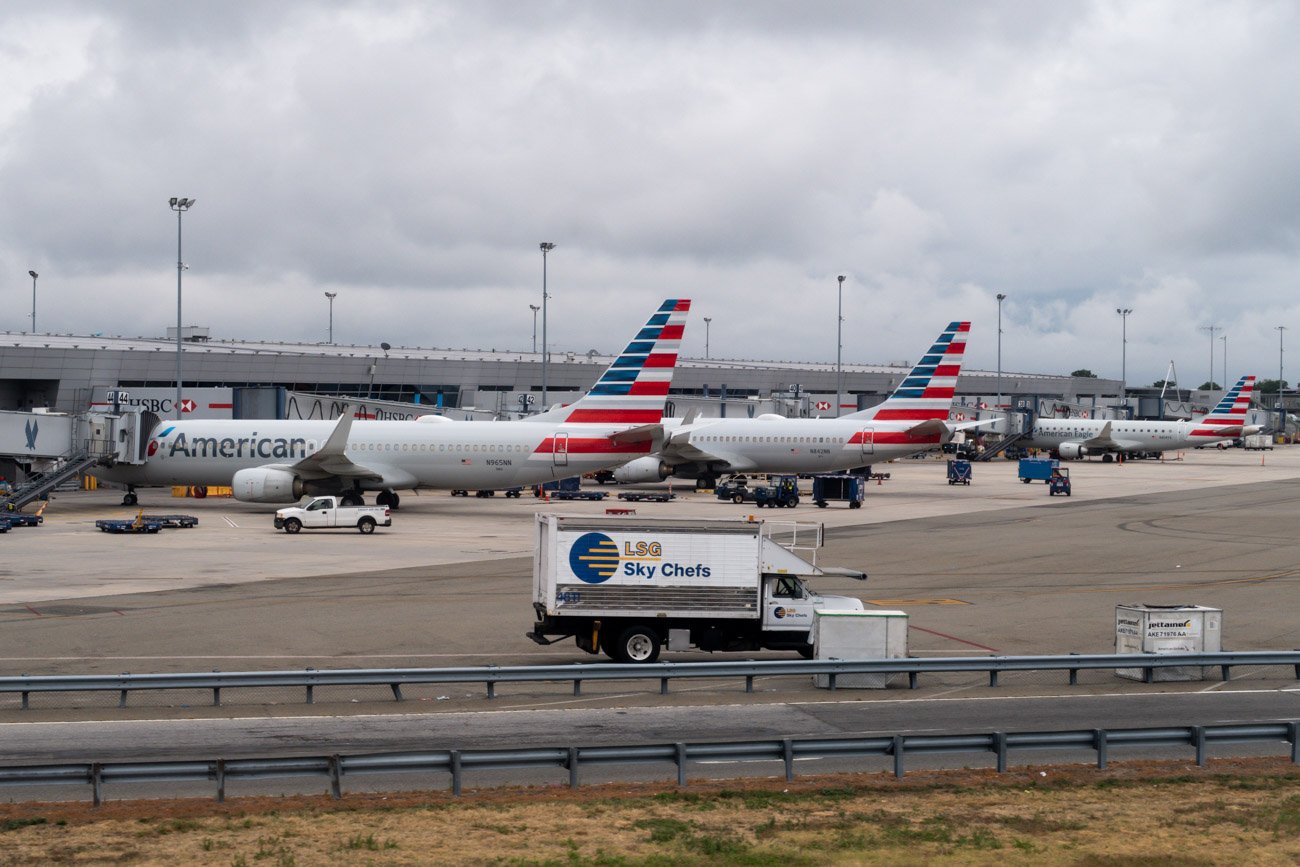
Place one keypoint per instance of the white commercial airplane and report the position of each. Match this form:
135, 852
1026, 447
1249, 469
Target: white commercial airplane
913, 419
277, 461
1080, 437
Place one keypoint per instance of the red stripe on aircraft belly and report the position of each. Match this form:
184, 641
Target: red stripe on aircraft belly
903, 438
615, 416
602, 446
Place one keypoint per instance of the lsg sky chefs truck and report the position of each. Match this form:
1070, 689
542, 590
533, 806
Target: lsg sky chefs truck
625, 587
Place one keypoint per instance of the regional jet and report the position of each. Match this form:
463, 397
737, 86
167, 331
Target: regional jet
279, 461
914, 418
1073, 438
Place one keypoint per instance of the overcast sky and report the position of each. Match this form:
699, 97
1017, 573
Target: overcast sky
1076, 156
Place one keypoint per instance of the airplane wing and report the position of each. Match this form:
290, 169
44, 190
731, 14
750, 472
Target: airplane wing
678, 449
331, 459
640, 434
1103, 440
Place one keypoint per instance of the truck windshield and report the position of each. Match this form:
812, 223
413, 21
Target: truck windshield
788, 588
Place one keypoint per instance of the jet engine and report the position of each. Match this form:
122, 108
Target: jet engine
267, 486
643, 470
1071, 451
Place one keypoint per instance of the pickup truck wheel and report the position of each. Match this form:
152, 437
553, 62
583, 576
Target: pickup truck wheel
637, 644
292, 525
366, 525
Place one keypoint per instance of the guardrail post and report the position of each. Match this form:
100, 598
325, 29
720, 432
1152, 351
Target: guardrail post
1225, 671
1293, 735
25, 694
898, 756
787, 755
749, 683
681, 764
577, 686
220, 774
336, 777
993, 677
573, 767
831, 681
96, 784
311, 697
1000, 747
216, 696
1099, 744
663, 686
1148, 675
1198, 738
911, 680
492, 689
455, 773
397, 691
121, 698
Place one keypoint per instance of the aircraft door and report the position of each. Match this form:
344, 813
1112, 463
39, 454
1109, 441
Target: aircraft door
560, 451
867, 440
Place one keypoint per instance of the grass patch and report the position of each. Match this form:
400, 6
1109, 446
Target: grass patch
15, 824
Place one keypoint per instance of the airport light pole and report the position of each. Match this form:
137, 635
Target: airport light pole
1123, 351
1211, 329
707, 320
1281, 417
1001, 297
1224, 338
180, 206
839, 346
34, 276
534, 308
331, 296
547, 247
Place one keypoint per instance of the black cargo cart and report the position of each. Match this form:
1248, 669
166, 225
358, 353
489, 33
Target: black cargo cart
647, 496
839, 488
959, 472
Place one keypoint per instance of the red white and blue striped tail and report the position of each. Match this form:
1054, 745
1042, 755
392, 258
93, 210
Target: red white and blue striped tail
926, 393
1229, 415
633, 390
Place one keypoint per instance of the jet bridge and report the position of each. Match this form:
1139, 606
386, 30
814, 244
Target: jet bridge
53, 448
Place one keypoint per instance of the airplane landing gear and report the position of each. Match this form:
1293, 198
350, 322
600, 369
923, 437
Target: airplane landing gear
352, 498
129, 498
387, 497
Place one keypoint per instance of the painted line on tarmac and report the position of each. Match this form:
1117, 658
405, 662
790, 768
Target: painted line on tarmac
952, 638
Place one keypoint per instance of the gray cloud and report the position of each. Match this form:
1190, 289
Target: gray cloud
410, 156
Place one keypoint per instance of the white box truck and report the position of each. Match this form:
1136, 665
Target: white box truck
629, 586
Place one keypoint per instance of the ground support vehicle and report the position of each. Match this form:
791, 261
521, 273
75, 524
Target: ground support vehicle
1257, 442
328, 512
736, 489
959, 472
783, 492
647, 496
573, 483
628, 587
1059, 483
4, 524
22, 519
578, 495
137, 524
1037, 469
183, 522
848, 488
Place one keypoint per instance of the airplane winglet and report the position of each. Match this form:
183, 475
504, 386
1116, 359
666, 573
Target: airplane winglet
338, 439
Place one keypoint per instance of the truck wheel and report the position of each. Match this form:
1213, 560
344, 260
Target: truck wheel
366, 525
794, 502
292, 525
637, 644
737, 499
855, 505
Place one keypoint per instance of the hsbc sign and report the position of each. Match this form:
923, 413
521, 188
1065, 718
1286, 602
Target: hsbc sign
196, 403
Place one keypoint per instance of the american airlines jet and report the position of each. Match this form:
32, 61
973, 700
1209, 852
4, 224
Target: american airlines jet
913, 419
275, 461
1073, 438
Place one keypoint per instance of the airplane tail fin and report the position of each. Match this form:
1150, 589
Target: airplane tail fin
1228, 418
926, 393
634, 389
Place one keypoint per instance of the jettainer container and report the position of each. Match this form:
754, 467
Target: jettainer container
874, 634
626, 587
1163, 629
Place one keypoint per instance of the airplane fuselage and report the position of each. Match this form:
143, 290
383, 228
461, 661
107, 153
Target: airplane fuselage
1135, 436
408, 454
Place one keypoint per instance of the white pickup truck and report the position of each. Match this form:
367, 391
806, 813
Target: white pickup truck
314, 512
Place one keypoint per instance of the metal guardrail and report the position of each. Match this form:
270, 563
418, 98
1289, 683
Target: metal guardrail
664, 672
785, 750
